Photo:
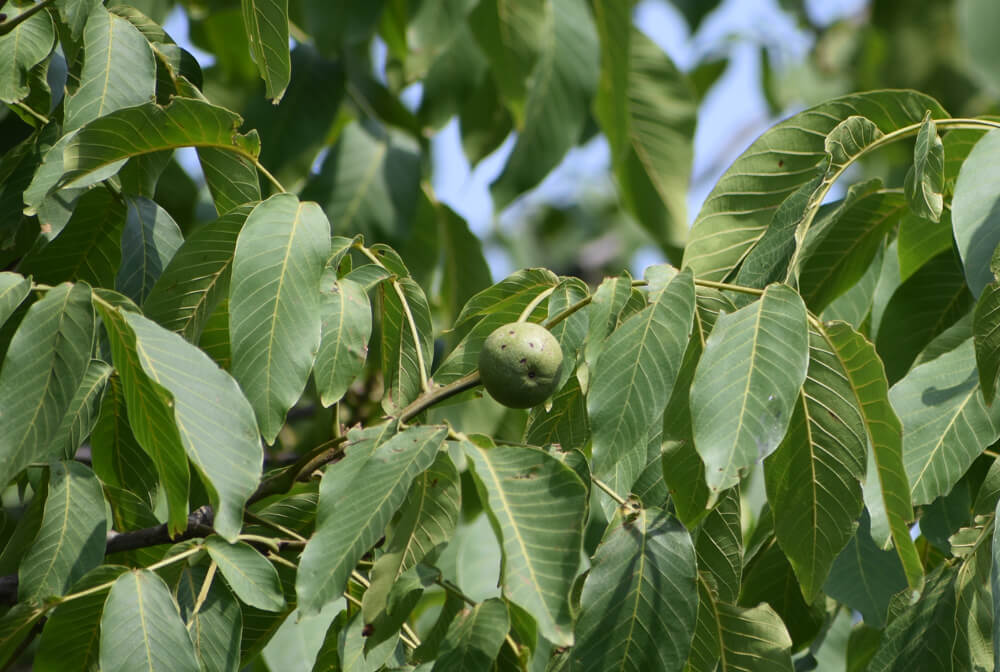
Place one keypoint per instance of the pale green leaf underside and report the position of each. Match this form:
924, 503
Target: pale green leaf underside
266, 24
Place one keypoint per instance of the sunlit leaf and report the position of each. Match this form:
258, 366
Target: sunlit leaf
141, 627
746, 384
346, 328
924, 184
403, 348
974, 217
638, 606
23, 48
739, 208
274, 304
848, 139
266, 23
14, 288
521, 487
632, 381
248, 573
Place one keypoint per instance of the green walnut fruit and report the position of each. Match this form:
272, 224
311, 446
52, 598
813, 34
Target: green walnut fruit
520, 364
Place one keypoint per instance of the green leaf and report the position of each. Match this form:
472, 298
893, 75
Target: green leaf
104, 143
536, 506
248, 573
974, 217
648, 110
739, 208
924, 184
886, 490
632, 380
946, 423
14, 289
15, 626
474, 638
639, 602
346, 328
42, 370
215, 421
400, 355
71, 539
558, 97
81, 415
927, 303
274, 304
920, 240
513, 36
149, 240
216, 627
927, 631
565, 424
986, 335
746, 384
116, 456
118, 70
837, 259
142, 629
350, 520
814, 477
72, 631
368, 184
865, 577
22, 49
266, 24
197, 276
516, 289
89, 246
426, 520
719, 546
231, 178
848, 139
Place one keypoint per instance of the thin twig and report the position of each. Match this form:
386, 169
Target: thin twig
606, 488
203, 593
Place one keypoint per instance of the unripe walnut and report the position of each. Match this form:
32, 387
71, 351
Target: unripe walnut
520, 364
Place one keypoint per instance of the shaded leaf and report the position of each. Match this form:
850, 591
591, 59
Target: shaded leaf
719, 546
350, 521
474, 638
15, 626
848, 139
14, 288
403, 349
266, 24
216, 627
81, 415
920, 240
23, 48
345, 330
986, 335
148, 242
639, 605
42, 370
274, 304
116, 456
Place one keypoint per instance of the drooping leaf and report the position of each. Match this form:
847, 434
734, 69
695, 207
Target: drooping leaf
739, 208
848, 139
104, 143
974, 217
81, 415
632, 380
814, 477
89, 246
70, 638
647, 110
216, 627
346, 328
746, 384
197, 276
214, 420
639, 605
836, 262
42, 370
118, 69
405, 344
148, 243
426, 519
274, 304
142, 629
924, 184
886, 490
945, 421
866, 577
71, 538
248, 573
927, 303
351, 520
562, 83
22, 49
474, 638
535, 504
266, 24
986, 335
